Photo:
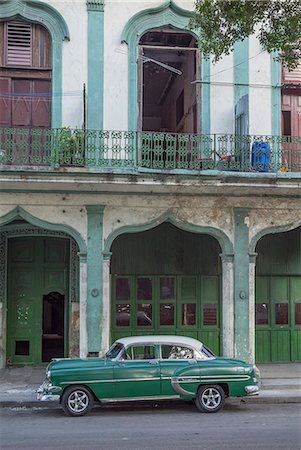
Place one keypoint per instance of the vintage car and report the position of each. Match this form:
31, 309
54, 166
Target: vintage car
149, 368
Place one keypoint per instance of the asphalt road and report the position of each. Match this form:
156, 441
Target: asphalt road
171, 426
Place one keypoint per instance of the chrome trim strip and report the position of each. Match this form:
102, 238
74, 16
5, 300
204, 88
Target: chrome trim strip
179, 389
119, 380
130, 399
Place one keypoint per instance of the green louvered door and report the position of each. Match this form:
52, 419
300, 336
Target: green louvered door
167, 304
278, 319
36, 299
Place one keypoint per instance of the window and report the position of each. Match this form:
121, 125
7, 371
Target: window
176, 352
140, 352
19, 37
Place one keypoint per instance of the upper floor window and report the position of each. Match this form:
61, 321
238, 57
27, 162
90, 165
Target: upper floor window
25, 45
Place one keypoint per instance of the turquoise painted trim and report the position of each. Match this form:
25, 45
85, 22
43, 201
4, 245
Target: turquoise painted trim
273, 230
205, 96
241, 284
241, 69
168, 14
43, 14
224, 241
19, 212
94, 276
276, 95
95, 68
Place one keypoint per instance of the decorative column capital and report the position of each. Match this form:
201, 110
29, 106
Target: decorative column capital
107, 256
95, 5
252, 257
82, 257
227, 257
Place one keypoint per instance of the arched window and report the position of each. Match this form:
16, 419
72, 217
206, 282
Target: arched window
25, 75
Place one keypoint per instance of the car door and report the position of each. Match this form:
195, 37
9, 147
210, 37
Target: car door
174, 357
137, 373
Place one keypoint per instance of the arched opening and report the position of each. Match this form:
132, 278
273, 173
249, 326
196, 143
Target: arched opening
166, 281
168, 66
278, 297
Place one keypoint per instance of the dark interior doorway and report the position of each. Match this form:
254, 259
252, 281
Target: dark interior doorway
169, 65
53, 326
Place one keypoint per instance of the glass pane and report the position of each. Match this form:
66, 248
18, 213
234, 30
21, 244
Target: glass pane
281, 313
144, 289
123, 315
297, 313
189, 314
141, 352
144, 314
167, 314
262, 314
210, 317
167, 288
176, 352
122, 289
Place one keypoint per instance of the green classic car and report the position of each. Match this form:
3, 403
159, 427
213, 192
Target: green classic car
149, 368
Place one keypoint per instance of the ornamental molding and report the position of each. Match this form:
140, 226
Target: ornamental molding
25, 230
95, 5
223, 240
38, 12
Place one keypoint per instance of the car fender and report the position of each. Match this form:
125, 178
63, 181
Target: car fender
185, 381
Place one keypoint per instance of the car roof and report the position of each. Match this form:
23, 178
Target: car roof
163, 339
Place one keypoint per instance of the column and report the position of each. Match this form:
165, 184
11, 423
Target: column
252, 303
241, 284
106, 299
228, 304
95, 64
83, 342
94, 277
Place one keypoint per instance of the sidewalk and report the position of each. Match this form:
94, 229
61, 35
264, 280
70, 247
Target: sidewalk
281, 383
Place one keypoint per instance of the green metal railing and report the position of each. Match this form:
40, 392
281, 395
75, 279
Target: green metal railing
148, 150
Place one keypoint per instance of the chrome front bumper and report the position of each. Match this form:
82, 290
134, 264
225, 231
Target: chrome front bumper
252, 390
47, 392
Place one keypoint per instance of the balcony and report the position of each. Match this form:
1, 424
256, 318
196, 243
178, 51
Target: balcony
23, 149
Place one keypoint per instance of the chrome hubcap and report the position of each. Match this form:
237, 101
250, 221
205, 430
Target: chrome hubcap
211, 398
78, 401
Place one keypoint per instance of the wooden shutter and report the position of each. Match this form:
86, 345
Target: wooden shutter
18, 43
5, 102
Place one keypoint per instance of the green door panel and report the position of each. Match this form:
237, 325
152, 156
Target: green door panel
37, 266
278, 318
296, 345
187, 305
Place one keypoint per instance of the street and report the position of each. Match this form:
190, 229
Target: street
165, 426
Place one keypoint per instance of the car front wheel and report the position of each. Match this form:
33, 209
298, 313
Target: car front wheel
210, 399
77, 401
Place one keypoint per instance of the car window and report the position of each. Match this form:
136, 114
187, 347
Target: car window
114, 351
136, 352
176, 352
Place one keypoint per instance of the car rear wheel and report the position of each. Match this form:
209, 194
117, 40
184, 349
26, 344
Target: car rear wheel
210, 399
77, 401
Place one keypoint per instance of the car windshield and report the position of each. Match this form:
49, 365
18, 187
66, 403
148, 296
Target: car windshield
114, 351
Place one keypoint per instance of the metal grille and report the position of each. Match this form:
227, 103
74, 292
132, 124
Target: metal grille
19, 43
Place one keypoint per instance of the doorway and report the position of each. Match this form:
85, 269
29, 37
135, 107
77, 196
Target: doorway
53, 326
37, 293
168, 66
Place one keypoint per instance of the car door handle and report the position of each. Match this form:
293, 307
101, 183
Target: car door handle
154, 362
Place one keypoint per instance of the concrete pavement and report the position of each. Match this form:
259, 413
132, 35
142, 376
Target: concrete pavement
281, 383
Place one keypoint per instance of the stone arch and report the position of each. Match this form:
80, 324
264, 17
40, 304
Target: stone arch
43, 14
272, 230
167, 14
224, 241
19, 212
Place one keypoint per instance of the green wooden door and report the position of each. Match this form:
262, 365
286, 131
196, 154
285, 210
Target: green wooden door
37, 270
167, 304
278, 319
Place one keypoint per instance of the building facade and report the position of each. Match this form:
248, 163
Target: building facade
144, 189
